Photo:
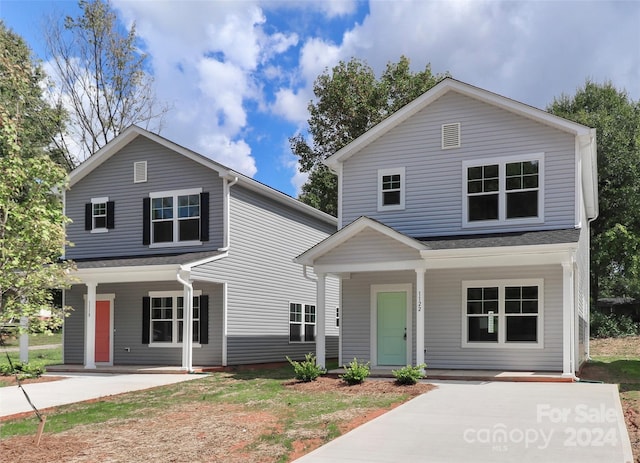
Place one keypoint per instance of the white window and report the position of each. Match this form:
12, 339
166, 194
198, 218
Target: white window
175, 217
302, 322
167, 314
391, 189
503, 191
502, 313
99, 214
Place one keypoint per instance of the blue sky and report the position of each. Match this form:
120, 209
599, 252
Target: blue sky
239, 74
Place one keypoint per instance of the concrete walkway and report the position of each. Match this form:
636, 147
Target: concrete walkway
78, 388
492, 422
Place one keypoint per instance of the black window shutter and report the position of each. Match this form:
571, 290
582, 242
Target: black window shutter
88, 216
204, 216
146, 319
204, 319
111, 210
146, 221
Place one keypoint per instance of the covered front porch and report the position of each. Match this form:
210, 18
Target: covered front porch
376, 262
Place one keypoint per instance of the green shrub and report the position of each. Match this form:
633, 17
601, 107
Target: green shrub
307, 370
612, 325
409, 375
355, 372
22, 370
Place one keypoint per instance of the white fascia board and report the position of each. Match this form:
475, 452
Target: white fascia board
507, 256
125, 274
436, 92
188, 267
282, 198
588, 151
308, 257
391, 266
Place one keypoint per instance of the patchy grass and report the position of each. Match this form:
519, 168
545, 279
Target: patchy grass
250, 415
40, 357
617, 361
39, 339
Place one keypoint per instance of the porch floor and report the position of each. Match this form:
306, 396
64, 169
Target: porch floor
457, 375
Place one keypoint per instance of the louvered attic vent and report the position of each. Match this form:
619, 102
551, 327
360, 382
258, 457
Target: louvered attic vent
451, 135
140, 172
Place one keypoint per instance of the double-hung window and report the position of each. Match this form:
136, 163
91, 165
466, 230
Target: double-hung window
99, 215
391, 189
302, 322
167, 315
176, 218
502, 313
502, 191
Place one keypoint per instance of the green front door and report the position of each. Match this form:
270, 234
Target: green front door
392, 328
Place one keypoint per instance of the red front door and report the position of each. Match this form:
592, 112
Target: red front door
103, 331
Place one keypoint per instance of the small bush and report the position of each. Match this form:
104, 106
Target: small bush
22, 370
307, 370
612, 325
355, 372
409, 375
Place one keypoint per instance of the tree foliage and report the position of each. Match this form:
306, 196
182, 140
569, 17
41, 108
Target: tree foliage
615, 235
101, 77
31, 218
21, 94
349, 100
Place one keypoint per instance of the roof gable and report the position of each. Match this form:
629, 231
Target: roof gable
132, 132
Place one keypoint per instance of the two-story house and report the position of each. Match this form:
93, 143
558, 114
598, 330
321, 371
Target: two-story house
463, 236
182, 261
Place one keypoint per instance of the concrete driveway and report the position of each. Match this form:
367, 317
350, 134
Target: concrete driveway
492, 422
80, 387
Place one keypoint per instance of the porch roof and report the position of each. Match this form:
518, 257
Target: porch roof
493, 240
135, 261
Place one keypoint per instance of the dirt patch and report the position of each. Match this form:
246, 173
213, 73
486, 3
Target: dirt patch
613, 347
200, 433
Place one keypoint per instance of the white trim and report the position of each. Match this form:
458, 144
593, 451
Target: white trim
373, 335
225, 324
174, 194
420, 316
90, 326
501, 315
140, 172
502, 192
104, 199
175, 244
173, 294
403, 186
132, 132
568, 367
436, 92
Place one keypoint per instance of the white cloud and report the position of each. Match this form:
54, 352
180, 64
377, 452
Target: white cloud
291, 105
233, 154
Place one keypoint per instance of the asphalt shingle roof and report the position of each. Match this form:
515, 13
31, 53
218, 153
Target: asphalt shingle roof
164, 259
503, 239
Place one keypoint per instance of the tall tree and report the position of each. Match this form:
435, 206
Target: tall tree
102, 78
615, 234
31, 218
349, 100
39, 120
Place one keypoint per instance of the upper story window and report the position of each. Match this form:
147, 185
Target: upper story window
502, 313
500, 191
99, 215
174, 218
391, 189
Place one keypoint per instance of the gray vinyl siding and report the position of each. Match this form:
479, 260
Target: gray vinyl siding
366, 247
127, 321
264, 349
166, 170
262, 279
434, 177
443, 319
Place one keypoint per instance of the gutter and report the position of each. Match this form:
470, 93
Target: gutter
187, 326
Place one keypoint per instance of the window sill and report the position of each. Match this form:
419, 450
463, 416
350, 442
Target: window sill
175, 244
171, 344
502, 223
399, 207
503, 345
99, 230
302, 342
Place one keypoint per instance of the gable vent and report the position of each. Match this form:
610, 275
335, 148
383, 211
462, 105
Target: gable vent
451, 135
140, 172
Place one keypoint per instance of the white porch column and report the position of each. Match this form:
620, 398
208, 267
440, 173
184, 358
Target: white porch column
420, 316
187, 323
321, 308
90, 326
24, 340
567, 319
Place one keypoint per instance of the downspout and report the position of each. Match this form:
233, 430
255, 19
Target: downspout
187, 321
226, 206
